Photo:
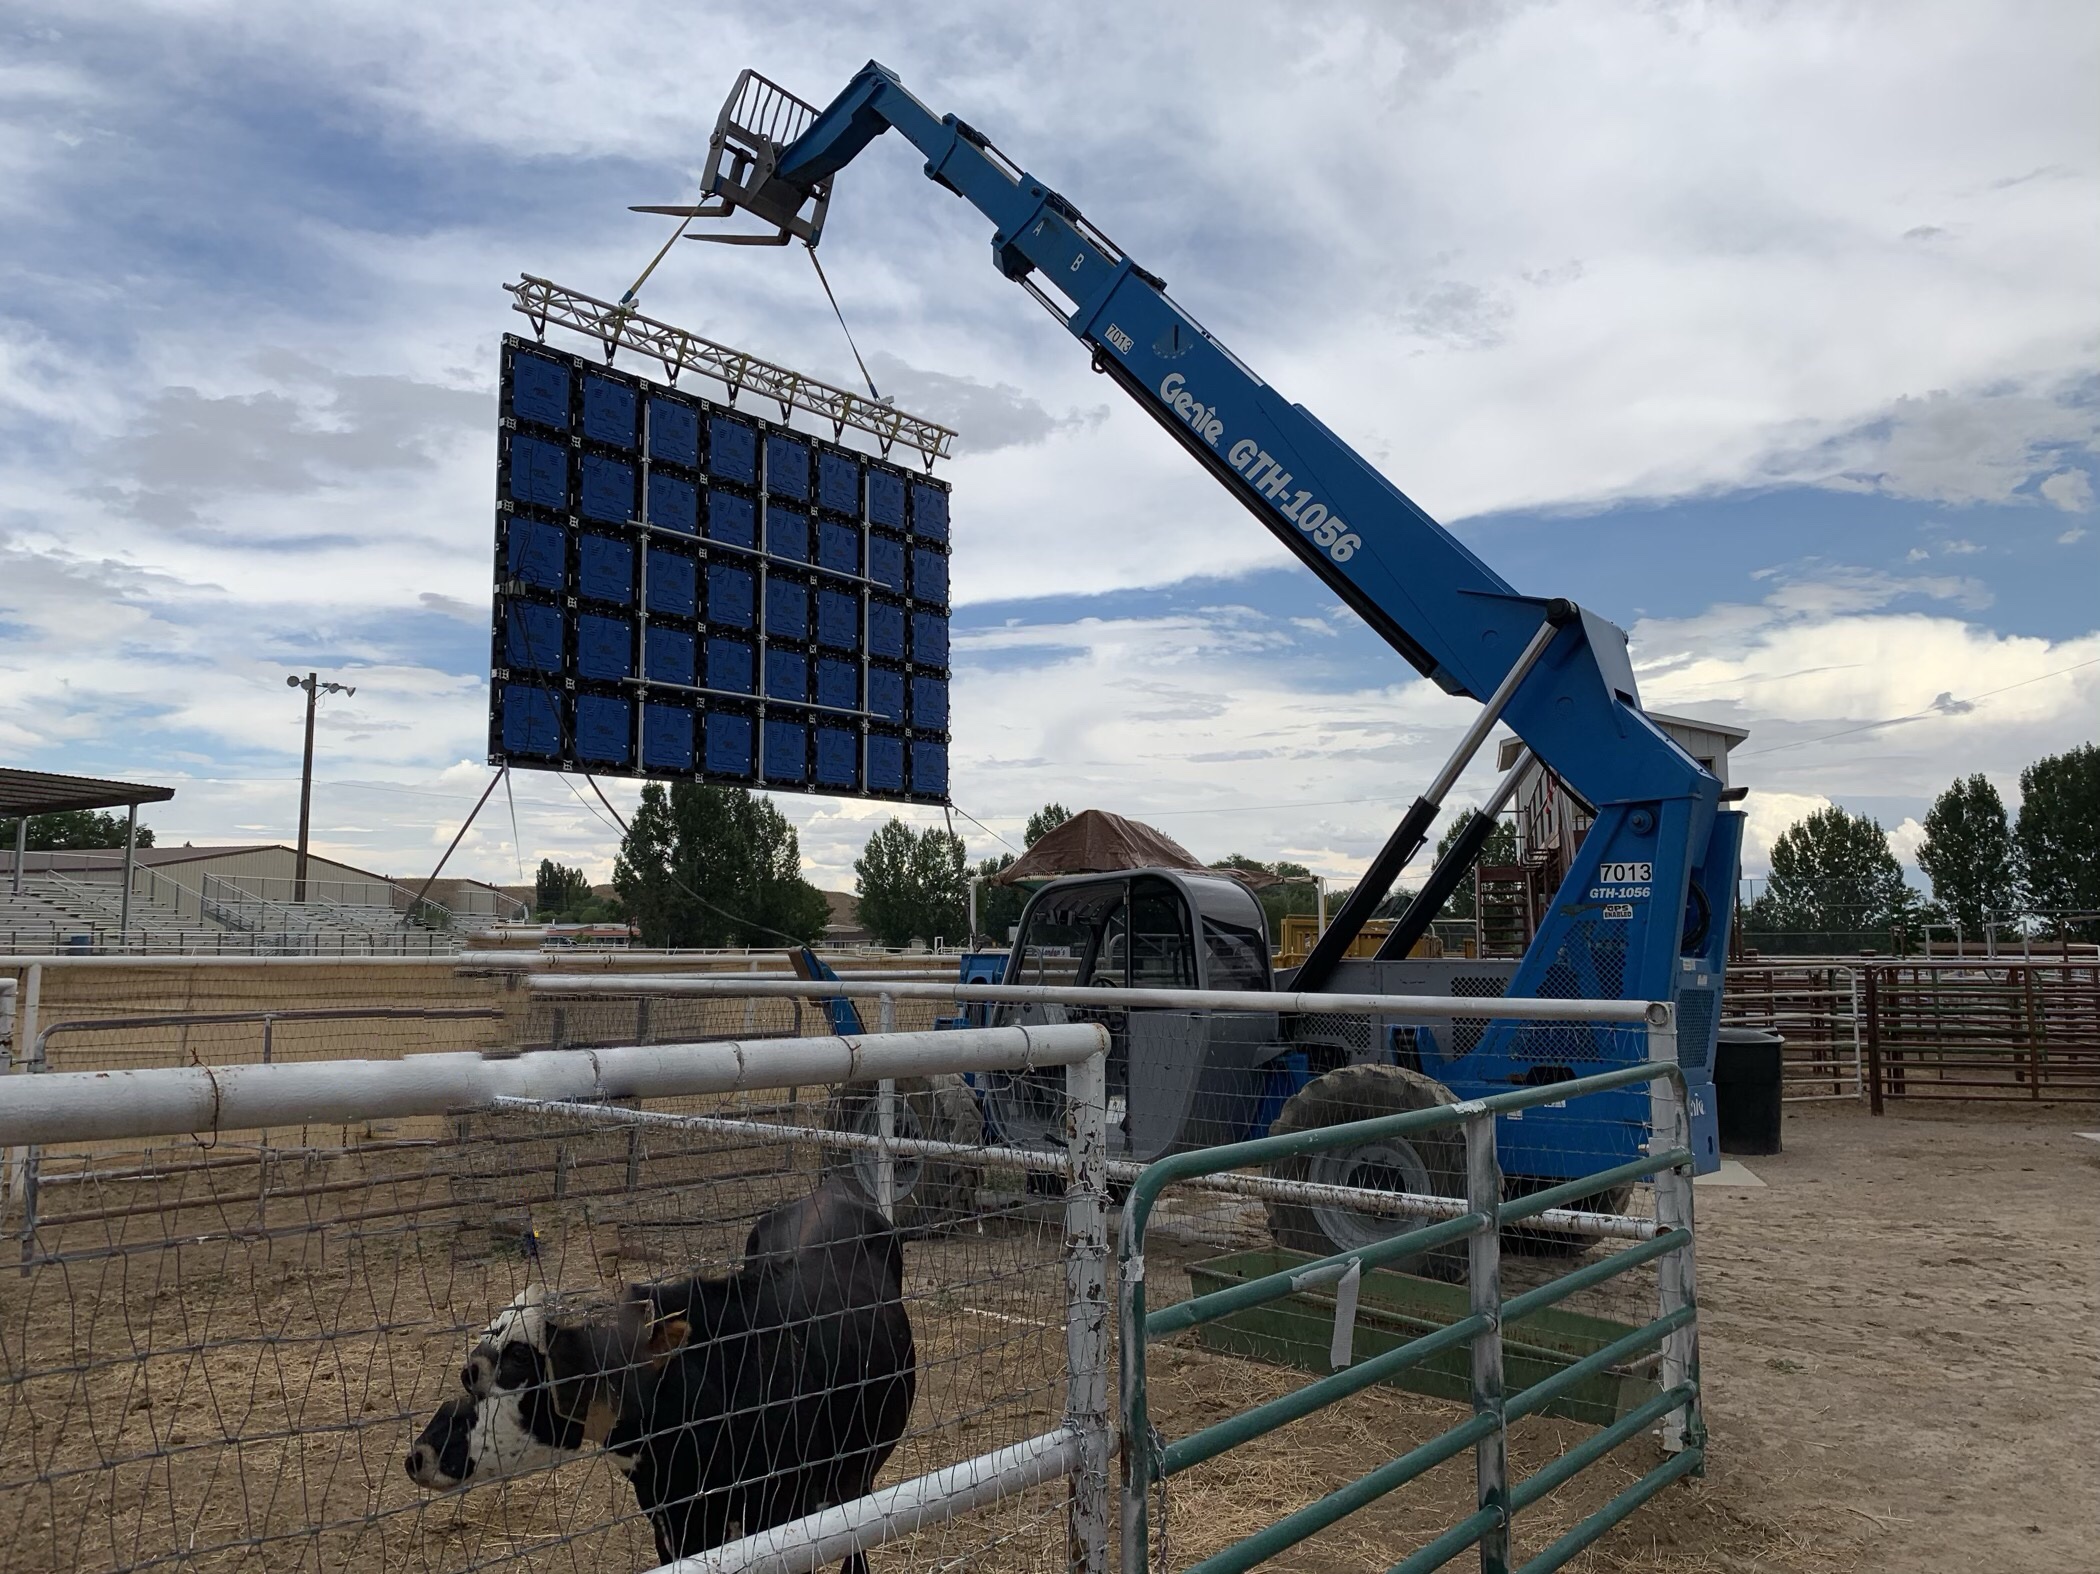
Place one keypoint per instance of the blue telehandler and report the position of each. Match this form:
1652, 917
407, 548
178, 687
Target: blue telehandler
1643, 912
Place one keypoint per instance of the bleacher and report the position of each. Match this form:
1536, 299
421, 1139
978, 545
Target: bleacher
83, 912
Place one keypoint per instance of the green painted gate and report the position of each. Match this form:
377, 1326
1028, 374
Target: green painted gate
1438, 1339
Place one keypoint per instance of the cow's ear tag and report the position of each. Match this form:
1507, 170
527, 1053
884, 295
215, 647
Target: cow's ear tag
665, 1337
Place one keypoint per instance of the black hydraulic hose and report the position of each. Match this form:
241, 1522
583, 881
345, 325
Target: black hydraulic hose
1444, 880
1406, 840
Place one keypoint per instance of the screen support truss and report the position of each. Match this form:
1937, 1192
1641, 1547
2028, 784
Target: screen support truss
622, 327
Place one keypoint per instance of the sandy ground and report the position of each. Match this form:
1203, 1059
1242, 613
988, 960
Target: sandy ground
1898, 1335
1901, 1341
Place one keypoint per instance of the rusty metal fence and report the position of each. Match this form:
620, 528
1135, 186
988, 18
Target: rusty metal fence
2018, 1029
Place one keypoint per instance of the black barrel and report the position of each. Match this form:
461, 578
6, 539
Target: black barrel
1747, 1083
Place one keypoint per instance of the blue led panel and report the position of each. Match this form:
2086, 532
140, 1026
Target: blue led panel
535, 554
929, 704
886, 499
787, 609
729, 746
929, 576
688, 591
609, 410
886, 563
838, 758
604, 729
667, 656
604, 648
838, 482
732, 520
787, 534
732, 450
674, 502
674, 432
536, 472
605, 488
605, 569
838, 683
886, 694
838, 619
667, 739
536, 389
787, 466
730, 666
674, 585
732, 595
838, 546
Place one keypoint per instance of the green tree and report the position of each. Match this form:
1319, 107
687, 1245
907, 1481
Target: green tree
2058, 833
558, 890
1501, 848
1968, 855
1294, 892
998, 906
1045, 820
715, 866
72, 830
561, 895
1834, 886
911, 884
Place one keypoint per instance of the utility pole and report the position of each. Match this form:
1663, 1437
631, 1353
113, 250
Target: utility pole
315, 688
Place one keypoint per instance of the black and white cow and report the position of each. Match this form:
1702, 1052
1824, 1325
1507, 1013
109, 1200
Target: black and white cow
733, 1404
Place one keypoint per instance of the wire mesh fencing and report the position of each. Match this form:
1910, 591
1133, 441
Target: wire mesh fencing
527, 1335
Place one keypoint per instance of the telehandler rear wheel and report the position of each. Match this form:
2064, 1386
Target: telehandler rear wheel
1427, 1163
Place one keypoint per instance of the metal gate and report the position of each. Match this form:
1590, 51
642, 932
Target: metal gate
1477, 1220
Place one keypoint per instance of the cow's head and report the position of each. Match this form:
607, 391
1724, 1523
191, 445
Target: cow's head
545, 1381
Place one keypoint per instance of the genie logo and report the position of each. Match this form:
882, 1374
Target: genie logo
1202, 419
1326, 529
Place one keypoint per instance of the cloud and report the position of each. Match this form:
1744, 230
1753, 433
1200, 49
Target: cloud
986, 417
2069, 490
1464, 316
325, 427
1979, 447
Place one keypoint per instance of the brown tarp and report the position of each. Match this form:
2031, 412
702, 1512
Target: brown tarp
1097, 842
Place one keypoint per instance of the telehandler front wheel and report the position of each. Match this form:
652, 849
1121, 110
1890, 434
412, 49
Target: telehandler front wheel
1431, 1163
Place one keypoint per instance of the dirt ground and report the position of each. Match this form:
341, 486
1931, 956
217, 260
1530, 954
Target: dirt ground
1901, 1342
1898, 1336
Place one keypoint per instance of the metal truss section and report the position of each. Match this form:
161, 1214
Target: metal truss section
618, 327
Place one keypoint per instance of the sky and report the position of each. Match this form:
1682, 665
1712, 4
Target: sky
1769, 331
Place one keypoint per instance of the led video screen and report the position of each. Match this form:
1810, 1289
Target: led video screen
685, 591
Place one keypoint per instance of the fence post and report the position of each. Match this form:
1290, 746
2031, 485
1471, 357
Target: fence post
1873, 1041
1677, 1284
1859, 1067
23, 1162
1484, 1283
9, 992
2035, 1033
886, 1124
1086, 1311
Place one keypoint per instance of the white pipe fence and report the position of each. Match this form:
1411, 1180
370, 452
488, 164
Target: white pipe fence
92, 1106
1650, 1013
575, 1083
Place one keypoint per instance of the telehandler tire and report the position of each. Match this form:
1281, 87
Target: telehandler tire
1429, 1163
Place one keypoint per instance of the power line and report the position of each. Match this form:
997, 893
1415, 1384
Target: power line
1933, 710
